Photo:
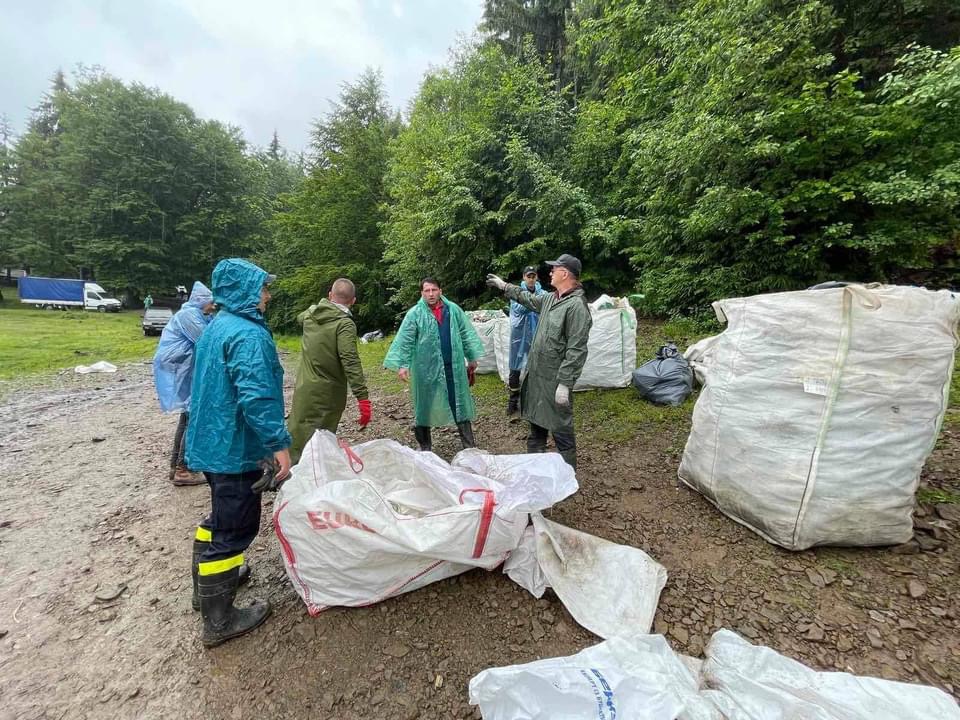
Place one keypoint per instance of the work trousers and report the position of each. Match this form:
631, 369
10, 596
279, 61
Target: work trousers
180, 442
233, 523
537, 440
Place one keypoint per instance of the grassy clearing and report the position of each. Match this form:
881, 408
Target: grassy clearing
41, 341
34, 342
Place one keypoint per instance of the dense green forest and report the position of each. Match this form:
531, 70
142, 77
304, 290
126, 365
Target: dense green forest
684, 149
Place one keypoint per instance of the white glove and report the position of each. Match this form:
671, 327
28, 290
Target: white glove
562, 398
497, 282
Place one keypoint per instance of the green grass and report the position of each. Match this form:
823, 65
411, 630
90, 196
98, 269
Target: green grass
833, 559
42, 341
936, 496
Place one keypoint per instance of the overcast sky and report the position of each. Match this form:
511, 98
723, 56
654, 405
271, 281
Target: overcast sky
257, 64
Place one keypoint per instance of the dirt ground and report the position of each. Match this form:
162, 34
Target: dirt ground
95, 617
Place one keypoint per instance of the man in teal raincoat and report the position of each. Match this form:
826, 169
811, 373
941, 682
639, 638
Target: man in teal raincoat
236, 422
436, 349
173, 371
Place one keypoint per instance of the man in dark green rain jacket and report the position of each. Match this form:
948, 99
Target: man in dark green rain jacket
328, 360
556, 358
436, 349
236, 421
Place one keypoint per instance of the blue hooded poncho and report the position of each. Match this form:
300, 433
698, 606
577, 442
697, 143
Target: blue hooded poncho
236, 415
173, 361
523, 326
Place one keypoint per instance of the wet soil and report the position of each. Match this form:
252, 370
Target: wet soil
95, 617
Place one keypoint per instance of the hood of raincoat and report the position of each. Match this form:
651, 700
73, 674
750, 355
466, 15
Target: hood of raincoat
236, 287
200, 295
322, 313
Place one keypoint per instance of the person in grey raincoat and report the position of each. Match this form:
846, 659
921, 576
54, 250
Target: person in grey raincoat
523, 326
173, 371
236, 423
436, 349
556, 358
328, 361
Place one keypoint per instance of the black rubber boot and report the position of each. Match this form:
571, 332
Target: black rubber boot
466, 434
513, 404
570, 457
536, 441
221, 620
422, 433
198, 547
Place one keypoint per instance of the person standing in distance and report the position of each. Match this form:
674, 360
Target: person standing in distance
523, 326
436, 349
557, 355
173, 371
236, 422
328, 360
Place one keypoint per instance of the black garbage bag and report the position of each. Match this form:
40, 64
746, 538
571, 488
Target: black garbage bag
665, 380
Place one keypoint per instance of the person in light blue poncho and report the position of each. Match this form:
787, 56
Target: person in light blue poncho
173, 371
523, 326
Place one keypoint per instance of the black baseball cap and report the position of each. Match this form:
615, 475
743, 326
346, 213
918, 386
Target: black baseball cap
530, 269
569, 262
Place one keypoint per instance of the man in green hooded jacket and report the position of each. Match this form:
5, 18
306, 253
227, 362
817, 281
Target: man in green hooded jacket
436, 349
557, 356
328, 361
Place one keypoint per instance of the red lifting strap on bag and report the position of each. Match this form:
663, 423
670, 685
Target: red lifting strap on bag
486, 515
356, 464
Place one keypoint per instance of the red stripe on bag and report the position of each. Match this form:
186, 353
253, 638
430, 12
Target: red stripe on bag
352, 457
287, 550
486, 516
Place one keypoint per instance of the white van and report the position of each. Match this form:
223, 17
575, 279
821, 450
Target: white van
96, 298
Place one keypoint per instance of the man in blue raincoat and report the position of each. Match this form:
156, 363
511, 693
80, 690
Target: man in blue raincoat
236, 422
436, 349
523, 326
173, 371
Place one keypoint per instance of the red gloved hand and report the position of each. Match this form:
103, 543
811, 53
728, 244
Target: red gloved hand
471, 375
366, 412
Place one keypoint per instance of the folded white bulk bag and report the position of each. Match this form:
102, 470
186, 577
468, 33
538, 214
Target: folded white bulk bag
487, 323
360, 524
636, 676
819, 409
611, 347
752, 682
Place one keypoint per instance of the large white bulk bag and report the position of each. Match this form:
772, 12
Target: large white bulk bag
358, 525
611, 347
819, 409
487, 323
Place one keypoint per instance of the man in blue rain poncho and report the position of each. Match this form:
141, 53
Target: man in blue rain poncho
173, 371
436, 349
236, 422
523, 326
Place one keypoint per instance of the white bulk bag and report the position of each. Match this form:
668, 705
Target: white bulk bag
611, 347
625, 677
752, 682
819, 409
358, 525
487, 323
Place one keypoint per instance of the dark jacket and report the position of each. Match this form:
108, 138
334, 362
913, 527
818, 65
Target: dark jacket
328, 361
557, 356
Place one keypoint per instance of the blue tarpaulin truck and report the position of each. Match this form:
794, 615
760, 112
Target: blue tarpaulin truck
61, 294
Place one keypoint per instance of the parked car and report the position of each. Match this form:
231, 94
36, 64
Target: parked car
64, 293
155, 320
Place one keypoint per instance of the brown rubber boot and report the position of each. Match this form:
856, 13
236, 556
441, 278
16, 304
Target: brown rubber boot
182, 476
